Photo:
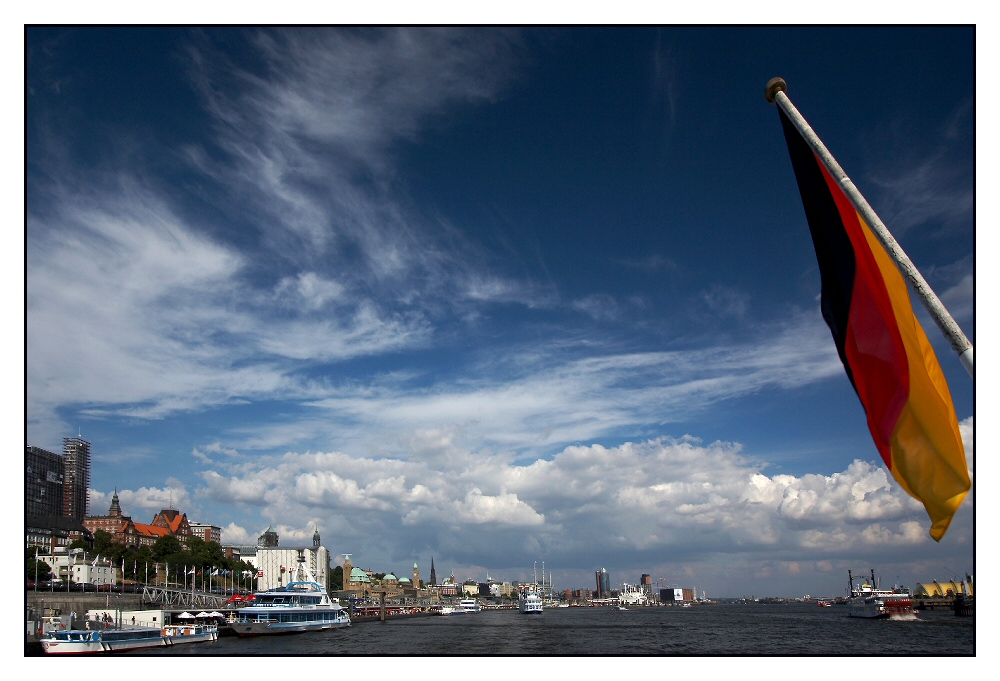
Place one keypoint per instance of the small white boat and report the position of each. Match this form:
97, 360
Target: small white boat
82, 641
470, 605
178, 634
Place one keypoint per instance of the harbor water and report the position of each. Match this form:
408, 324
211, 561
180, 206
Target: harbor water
703, 630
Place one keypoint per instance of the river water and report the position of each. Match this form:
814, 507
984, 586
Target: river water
703, 630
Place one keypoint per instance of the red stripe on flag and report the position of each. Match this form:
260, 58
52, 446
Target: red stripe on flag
873, 344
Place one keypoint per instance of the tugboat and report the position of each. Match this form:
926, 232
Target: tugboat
868, 601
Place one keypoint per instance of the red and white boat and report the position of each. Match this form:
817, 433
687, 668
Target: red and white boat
868, 601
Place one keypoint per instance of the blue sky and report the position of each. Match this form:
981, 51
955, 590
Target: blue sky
499, 296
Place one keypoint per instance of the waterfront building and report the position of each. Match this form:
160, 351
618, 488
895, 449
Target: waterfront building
80, 568
269, 539
939, 589
117, 524
276, 566
206, 532
603, 583
54, 532
76, 477
124, 530
175, 522
43, 483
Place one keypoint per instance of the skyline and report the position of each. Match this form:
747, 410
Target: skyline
502, 296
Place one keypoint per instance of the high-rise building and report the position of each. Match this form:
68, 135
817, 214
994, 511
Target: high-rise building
76, 478
43, 483
603, 583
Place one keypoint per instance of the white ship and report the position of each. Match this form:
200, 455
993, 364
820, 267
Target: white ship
470, 605
868, 601
631, 595
301, 605
529, 603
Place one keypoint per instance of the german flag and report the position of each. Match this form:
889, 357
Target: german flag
885, 351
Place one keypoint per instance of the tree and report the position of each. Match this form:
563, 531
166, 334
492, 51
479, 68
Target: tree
103, 542
336, 578
44, 572
79, 544
166, 546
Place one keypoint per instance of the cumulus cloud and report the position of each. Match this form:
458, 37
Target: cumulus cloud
637, 501
143, 503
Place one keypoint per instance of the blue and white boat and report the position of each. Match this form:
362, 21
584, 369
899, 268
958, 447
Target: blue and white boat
83, 641
301, 605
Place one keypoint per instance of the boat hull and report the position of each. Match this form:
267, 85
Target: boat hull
84, 641
185, 635
278, 628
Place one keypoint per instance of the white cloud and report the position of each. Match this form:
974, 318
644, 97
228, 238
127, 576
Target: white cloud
643, 499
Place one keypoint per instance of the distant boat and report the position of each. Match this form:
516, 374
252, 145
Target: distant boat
823, 604
470, 605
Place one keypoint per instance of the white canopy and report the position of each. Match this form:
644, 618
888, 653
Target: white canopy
202, 614
185, 616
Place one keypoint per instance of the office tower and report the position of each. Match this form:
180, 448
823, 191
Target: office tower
43, 483
76, 478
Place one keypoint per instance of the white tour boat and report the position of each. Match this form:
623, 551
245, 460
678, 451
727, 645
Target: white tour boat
868, 601
178, 634
470, 605
529, 603
301, 605
79, 641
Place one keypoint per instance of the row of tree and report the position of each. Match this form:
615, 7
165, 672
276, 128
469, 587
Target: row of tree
141, 562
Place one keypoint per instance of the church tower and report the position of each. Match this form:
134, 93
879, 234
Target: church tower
416, 576
433, 576
116, 510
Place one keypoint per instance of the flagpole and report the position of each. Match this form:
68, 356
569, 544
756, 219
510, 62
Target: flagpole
775, 94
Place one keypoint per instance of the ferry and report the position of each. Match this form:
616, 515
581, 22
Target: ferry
178, 634
529, 603
868, 601
470, 605
83, 641
301, 605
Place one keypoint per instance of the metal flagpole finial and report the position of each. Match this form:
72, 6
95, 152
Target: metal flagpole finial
773, 87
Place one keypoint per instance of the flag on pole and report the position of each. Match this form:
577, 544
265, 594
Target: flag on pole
882, 346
